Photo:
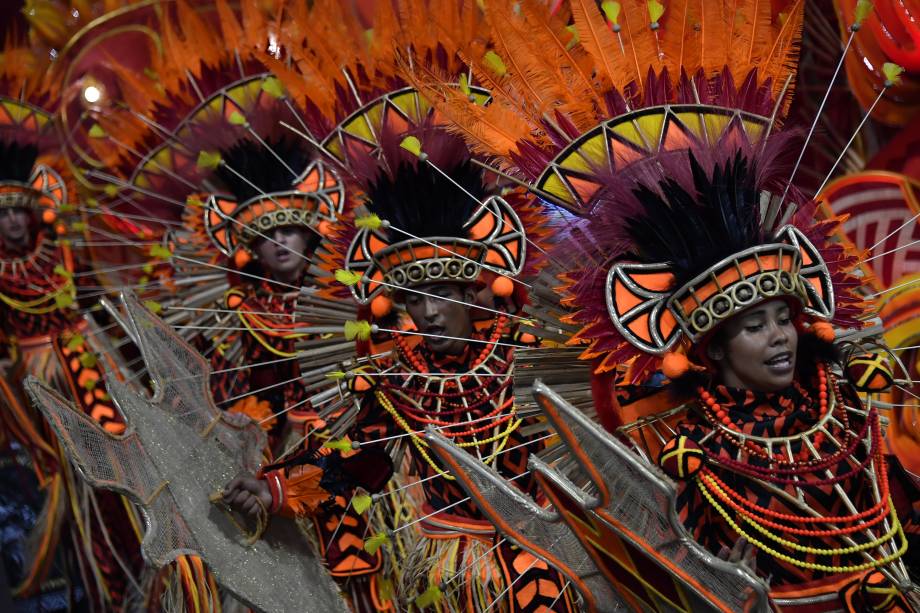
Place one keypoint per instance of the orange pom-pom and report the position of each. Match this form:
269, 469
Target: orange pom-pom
241, 258
324, 228
381, 306
502, 286
60, 229
675, 365
824, 331
234, 300
49, 216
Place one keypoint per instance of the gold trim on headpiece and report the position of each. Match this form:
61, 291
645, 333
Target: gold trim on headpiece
494, 241
653, 316
316, 198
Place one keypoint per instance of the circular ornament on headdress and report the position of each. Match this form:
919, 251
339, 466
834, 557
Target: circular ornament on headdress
870, 372
878, 593
681, 458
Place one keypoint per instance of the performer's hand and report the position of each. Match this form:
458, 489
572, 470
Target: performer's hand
742, 552
243, 494
237, 420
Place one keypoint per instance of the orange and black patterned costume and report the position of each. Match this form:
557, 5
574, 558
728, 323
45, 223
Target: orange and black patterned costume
664, 134
446, 555
70, 549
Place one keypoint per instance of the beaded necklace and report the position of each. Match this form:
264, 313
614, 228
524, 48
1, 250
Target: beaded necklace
768, 524
402, 404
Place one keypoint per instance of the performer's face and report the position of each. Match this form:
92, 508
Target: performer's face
14, 227
279, 258
756, 349
437, 314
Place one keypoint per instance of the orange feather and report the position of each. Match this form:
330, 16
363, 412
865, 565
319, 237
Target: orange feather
782, 59
597, 40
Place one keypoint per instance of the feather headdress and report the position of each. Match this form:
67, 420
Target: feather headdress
29, 144
654, 123
433, 195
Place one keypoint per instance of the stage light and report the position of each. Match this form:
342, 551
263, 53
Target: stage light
92, 94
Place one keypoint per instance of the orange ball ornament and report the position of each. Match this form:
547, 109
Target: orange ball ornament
381, 306
675, 365
502, 286
234, 300
49, 216
60, 229
241, 258
824, 331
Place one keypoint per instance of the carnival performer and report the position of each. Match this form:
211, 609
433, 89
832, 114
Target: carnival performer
715, 271
72, 556
451, 355
258, 206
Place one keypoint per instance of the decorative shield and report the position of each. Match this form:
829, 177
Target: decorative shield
175, 452
634, 553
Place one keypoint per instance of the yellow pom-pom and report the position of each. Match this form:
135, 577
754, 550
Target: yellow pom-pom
241, 258
824, 331
611, 11
381, 306
892, 73
49, 216
675, 365
495, 63
412, 144
377, 541
502, 286
361, 503
655, 11
863, 8
368, 222
347, 277
153, 306
429, 597
208, 160
272, 86
75, 342
161, 252
339, 445
360, 330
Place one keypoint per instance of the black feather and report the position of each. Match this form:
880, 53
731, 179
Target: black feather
17, 161
693, 231
256, 163
421, 201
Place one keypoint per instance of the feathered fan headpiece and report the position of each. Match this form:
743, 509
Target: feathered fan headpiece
603, 121
273, 184
692, 240
433, 219
27, 135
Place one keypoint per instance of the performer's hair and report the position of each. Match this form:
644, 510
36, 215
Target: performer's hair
261, 168
17, 161
420, 200
695, 230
